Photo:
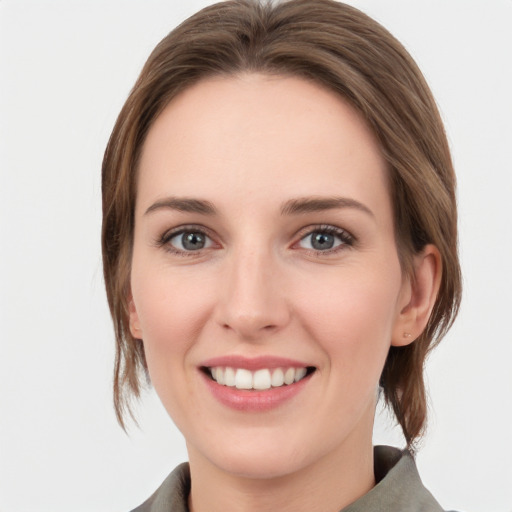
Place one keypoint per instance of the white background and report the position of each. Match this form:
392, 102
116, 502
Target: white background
65, 69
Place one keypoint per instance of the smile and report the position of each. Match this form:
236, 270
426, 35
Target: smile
255, 384
260, 380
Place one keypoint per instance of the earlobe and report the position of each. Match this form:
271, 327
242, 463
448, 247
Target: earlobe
135, 329
423, 289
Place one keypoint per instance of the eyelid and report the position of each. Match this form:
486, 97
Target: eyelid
348, 240
164, 240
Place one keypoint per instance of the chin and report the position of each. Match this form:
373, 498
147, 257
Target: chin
260, 454
260, 465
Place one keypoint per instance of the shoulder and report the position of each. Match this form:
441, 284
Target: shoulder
172, 495
398, 488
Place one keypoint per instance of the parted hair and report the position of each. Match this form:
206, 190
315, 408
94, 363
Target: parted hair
344, 50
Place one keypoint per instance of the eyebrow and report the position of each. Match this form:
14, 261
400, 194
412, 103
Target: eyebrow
184, 204
291, 207
319, 204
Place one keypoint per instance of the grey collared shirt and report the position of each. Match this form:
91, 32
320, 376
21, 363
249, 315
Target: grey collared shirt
398, 488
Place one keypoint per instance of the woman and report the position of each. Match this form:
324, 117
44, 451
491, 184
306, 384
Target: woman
279, 241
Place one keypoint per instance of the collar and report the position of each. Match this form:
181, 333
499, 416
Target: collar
398, 488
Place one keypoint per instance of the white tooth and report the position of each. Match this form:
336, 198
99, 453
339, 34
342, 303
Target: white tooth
277, 378
261, 379
243, 379
213, 373
289, 376
229, 377
300, 374
220, 375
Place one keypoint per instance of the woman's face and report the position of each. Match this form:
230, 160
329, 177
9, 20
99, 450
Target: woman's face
264, 252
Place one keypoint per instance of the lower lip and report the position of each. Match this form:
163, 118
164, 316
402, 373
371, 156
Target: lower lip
253, 400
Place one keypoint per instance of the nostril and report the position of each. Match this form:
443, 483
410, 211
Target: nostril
251, 322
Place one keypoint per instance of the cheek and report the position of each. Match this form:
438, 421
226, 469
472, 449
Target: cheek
351, 314
171, 313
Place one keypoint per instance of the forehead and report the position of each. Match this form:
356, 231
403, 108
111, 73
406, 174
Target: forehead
258, 133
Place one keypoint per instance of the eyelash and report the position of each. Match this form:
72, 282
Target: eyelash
347, 240
165, 239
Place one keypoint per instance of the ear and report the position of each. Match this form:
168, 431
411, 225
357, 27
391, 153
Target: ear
418, 296
135, 329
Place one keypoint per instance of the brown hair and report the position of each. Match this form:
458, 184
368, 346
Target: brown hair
346, 51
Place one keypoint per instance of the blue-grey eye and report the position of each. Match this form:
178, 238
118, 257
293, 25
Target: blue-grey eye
190, 241
322, 240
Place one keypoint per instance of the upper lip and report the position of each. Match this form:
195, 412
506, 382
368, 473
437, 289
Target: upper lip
253, 363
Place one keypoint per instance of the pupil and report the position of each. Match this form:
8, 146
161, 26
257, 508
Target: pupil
192, 241
322, 241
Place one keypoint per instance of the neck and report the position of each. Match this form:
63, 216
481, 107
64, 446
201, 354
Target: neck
328, 485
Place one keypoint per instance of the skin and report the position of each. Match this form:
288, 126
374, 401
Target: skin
248, 144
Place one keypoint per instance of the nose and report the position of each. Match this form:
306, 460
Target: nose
253, 299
